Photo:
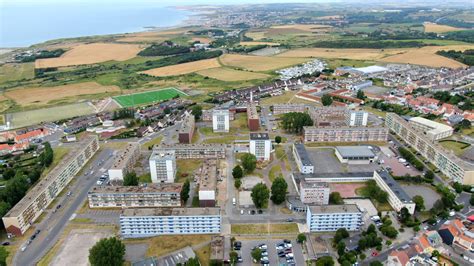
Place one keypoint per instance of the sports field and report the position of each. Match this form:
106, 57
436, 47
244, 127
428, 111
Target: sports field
148, 97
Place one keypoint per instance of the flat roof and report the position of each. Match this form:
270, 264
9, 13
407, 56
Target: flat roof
180, 146
252, 112
345, 128
124, 155
371, 69
220, 111
187, 124
259, 136
394, 186
355, 151
435, 126
346, 208
163, 155
303, 154
170, 211
149, 188
308, 177
305, 184
208, 175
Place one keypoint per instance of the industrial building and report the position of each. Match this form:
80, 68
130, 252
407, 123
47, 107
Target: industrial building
253, 120
284, 108
186, 131
302, 159
315, 193
260, 146
148, 222
37, 199
361, 85
450, 165
344, 134
433, 130
397, 197
220, 120
194, 151
329, 218
124, 161
208, 183
356, 118
163, 166
355, 154
151, 195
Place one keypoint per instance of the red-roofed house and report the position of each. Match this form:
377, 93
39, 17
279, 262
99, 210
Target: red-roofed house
34, 134
397, 258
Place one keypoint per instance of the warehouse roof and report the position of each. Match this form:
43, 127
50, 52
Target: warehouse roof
355, 151
347, 208
303, 154
394, 186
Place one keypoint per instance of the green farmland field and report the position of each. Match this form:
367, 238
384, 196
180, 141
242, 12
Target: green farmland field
148, 97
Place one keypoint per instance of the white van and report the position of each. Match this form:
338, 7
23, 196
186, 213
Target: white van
234, 201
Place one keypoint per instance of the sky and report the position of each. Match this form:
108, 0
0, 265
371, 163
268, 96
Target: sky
161, 2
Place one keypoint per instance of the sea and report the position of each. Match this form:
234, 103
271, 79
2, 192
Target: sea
22, 25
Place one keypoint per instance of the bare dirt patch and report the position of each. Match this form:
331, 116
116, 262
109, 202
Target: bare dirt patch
227, 74
260, 63
185, 68
437, 28
43, 95
90, 54
201, 40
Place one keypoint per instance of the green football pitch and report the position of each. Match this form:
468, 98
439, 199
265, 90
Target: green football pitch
148, 97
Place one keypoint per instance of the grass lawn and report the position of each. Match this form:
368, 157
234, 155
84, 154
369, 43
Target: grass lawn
196, 137
284, 98
204, 254
288, 228
275, 171
457, 147
162, 245
148, 97
335, 63
186, 168
10, 72
58, 155
374, 111
280, 152
240, 122
146, 178
155, 141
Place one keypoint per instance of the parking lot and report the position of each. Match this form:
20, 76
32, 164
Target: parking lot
273, 259
325, 161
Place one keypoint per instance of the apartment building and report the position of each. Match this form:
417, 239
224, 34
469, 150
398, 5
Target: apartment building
28, 209
208, 183
344, 134
397, 197
220, 120
314, 193
186, 131
260, 146
284, 108
207, 114
151, 195
356, 118
124, 161
194, 151
450, 165
302, 159
329, 218
433, 130
163, 166
147, 222
253, 120
328, 116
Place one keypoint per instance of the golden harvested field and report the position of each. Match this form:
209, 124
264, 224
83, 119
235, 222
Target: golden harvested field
90, 54
256, 35
259, 63
185, 68
227, 74
432, 27
304, 27
43, 95
427, 56
259, 43
354, 54
145, 39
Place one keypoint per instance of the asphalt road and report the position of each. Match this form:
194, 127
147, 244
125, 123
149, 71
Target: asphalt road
54, 223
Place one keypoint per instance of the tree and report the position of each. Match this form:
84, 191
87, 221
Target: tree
341, 248
256, 254
8, 173
185, 191
325, 261
47, 156
404, 215
429, 175
294, 122
376, 263
360, 94
237, 172
15, 189
4, 208
108, 251
237, 183
471, 201
192, 262
233, 255
130, 179
435, 253
3, 256
249, 162
260, 195
279, 189
465, 124
326, 100
196, 110
457, 187
335, 198
420, 202
301, 238
277, 139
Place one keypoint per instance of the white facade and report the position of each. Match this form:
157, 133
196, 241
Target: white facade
124, 161
135, 223
163, 167
260, 146
304, 163
220, 120
432, 129
397, 197
332, 217
316, 193
356, 118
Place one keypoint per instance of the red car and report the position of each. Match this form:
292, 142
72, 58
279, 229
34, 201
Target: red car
375, 254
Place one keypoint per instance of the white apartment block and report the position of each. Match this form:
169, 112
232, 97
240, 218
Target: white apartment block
397, 197
260, 146
450, 165
220, 120
329, 218
124, 161
284, 108
302, 159
344, 134
148, 222
194, 151
433, 130
28, 209
151, 195
162, 166
356, 118
315, 193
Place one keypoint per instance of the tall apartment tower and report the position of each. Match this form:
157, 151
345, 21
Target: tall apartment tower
260, 146
356, 118
163, 167
220, 120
